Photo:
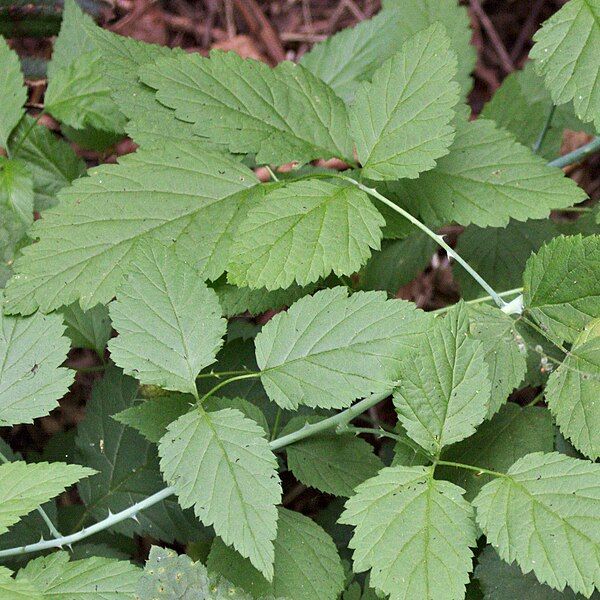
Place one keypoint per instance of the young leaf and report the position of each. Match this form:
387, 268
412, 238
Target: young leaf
499, 254
334, 463
329, 349
413, 532
501, 581
487, 179
306, 567
573, 390
100, 218
24, 487
562, 287
51, 161
31, 379
504, 348
401, 121
544, 514
127, 465
88, 329
169, 322
12, 92
352, 55
208, 456
16, 204
302, 232
498, 444
566, 50
283, 114
445, 389
61, 579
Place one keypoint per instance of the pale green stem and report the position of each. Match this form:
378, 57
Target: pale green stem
481, 300
538, 143
271, 173
226, 382
577, 155
479, 470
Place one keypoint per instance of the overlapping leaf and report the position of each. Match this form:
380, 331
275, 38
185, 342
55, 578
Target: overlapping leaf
566, 52
282, 114
24, 487
329, 349
169, 322
413, 532
401, 120
562, 287
208, 456
88, 329
487, 179
86, 243
573, 390
31, 379
13, 93
545, 515
302, 232
444, 390
306, 567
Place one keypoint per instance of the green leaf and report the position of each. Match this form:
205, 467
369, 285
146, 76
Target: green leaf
445, 390
566, 52
562, 287
501, 581
31, 379
208, 456
16, 205
306, 567
11, 589
77, 94
573, 390
283, 114
152, 417
504, 348
24, 487
88, 329
401, 121
334, 463
499, 254
302, 232
330, 349
498, 444
544, 514
127, 465
397, 263
51, 161
487, 179
100, 218
169, 322
95, 577
413, 532
13, 92
352, 55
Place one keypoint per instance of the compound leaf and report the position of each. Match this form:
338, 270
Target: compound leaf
401, 120
544, 515
562, 287
283, 114
487, 179
31, 379
307, 565
303, 231
169, 322
61, 579
444, 392
332, 462
413, 532
330, 349
86, 243
24, 487
209, 456
573, 390
566, 52
13, 92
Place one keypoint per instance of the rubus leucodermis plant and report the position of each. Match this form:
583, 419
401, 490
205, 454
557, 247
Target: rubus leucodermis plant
198, 410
